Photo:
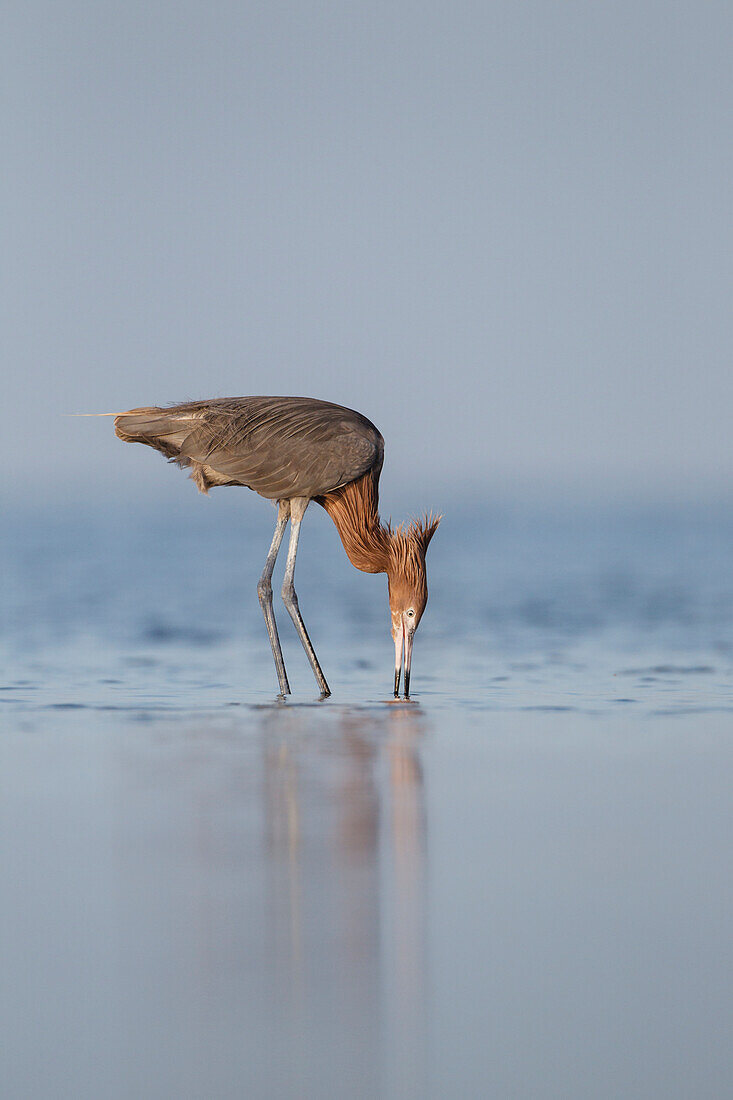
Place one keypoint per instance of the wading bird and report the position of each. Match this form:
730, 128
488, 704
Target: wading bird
293, 450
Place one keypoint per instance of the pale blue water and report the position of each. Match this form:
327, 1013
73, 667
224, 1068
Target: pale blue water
518, 884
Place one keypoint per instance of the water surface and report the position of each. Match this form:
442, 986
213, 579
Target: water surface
517, 884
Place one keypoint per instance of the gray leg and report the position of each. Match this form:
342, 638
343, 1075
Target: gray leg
264, 591
297, 510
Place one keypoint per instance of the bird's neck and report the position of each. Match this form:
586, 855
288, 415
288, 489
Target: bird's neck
370, 545
354, 508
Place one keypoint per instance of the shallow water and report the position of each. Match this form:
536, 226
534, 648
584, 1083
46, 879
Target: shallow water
517, 884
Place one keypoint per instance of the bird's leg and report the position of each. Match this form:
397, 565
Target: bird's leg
264, 591
297, 510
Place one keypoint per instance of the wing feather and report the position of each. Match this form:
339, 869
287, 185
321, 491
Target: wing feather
278, 446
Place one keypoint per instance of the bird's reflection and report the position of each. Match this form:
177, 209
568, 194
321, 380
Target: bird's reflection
407, 835
345, 841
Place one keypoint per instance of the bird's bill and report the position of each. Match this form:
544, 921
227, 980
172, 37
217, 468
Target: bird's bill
398, 640
402, 647
408, 661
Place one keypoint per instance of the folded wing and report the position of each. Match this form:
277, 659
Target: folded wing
281, 447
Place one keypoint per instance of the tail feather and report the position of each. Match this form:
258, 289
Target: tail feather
162, 429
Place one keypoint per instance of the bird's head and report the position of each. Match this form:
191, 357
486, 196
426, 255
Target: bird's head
408, 589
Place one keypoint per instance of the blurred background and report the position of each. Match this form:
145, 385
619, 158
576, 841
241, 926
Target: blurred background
503, 231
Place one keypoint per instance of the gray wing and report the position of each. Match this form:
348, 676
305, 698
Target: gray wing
279, 446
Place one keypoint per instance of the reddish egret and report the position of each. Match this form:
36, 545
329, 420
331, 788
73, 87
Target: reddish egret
293, 450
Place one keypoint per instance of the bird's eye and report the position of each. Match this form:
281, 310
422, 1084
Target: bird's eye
411, 613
